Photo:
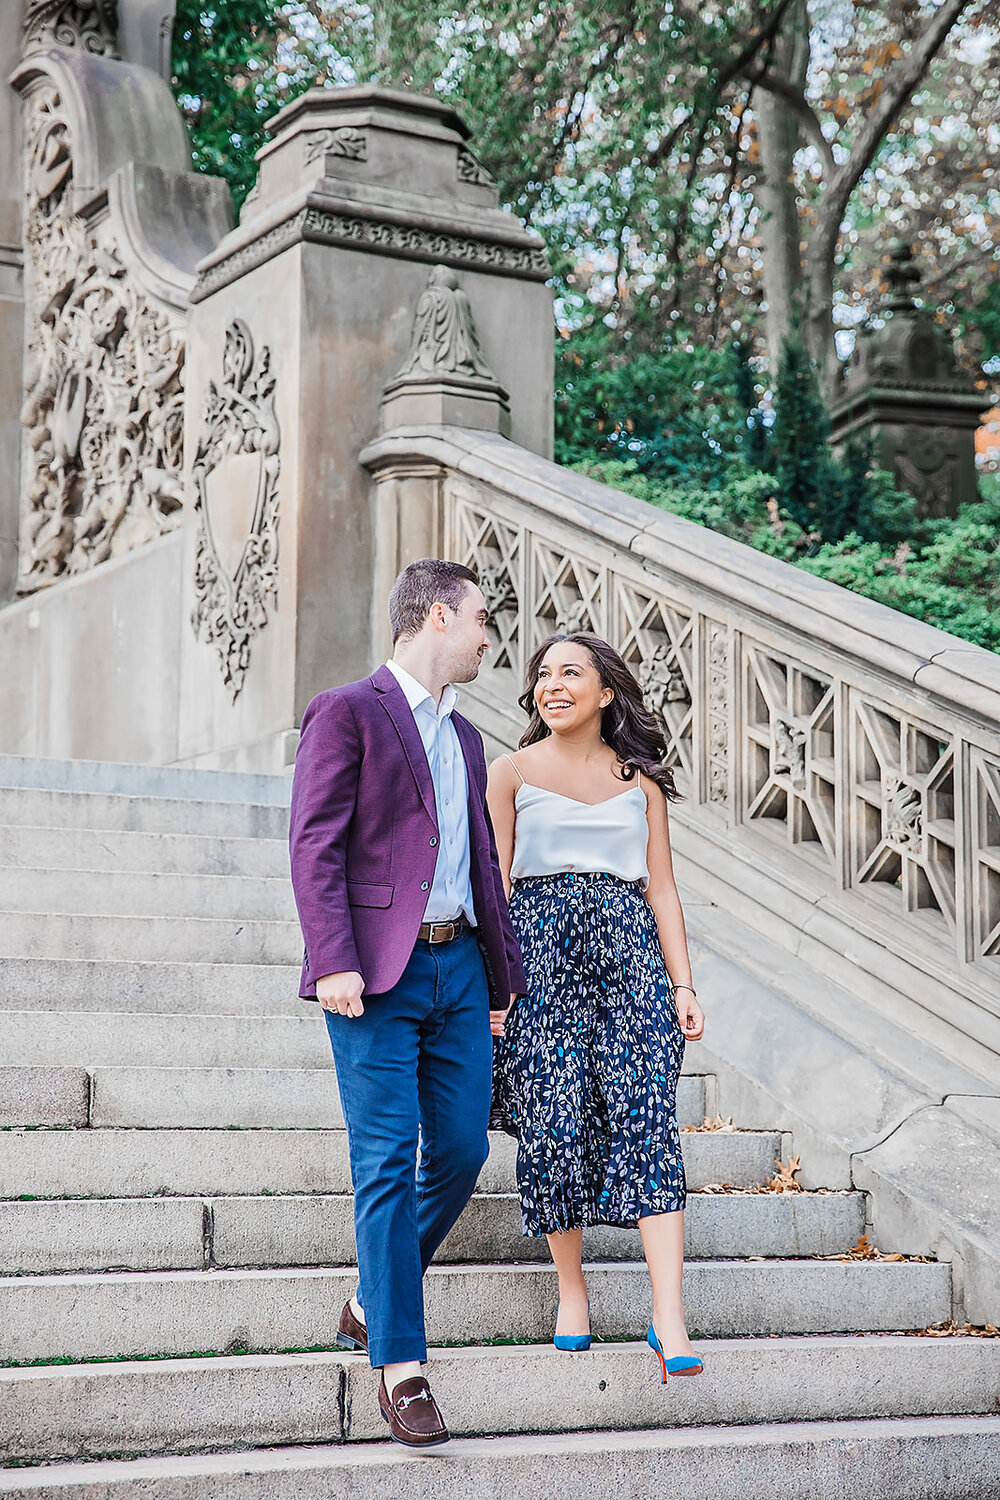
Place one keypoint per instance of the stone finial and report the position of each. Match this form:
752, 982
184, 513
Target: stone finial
904, 389
446, 376
903, 277
90, 24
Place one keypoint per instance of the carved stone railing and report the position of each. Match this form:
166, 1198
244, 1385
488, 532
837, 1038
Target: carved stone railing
840, 763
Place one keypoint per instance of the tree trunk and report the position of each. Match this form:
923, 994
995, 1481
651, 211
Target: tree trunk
775, 192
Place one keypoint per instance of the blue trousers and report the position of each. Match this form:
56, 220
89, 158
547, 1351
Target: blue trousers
414, 1069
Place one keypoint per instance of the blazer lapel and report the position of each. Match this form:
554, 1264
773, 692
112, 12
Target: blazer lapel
468, 738
393, 700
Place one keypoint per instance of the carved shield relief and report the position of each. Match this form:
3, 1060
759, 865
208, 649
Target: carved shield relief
235, 478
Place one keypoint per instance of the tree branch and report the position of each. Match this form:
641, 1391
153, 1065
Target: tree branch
789, 93
898, 86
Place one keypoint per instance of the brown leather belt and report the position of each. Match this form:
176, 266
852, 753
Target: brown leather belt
442, 932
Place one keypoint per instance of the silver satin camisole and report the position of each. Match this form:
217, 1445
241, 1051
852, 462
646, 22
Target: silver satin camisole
554, 834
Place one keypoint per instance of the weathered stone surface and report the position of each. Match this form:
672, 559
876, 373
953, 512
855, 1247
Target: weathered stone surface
943, 1458
136, 1163
267, 1400
934, 1192
127, 1040
203, 1098
104, 1234
180, 1312
43, 1096
177, 988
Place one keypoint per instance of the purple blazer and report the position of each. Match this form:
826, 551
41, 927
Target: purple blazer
363, 841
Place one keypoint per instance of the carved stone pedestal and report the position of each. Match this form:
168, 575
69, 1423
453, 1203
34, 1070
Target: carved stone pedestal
368, 255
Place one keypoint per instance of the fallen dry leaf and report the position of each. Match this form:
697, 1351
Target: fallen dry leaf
863, 1250
952, 1330
717, 1124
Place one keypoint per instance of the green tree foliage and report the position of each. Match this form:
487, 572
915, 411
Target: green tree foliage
235, 63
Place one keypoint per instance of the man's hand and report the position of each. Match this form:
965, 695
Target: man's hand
341, 993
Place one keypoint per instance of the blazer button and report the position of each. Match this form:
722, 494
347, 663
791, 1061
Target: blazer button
425, 885
434, 843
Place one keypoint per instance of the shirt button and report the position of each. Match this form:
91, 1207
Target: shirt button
425, 885
434, 843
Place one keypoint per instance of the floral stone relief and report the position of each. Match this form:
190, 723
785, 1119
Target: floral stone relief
235, 479
103, 403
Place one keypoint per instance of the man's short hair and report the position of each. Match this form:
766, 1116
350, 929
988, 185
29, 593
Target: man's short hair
432, 580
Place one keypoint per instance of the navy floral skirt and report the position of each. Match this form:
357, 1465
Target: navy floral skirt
588, 1065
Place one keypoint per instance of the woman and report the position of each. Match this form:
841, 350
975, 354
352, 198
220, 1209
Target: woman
589, 1058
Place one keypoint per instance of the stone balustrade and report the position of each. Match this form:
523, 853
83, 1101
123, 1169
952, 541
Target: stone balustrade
840, 763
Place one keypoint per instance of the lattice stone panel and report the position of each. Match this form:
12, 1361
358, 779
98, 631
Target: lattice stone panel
904, 811
493, 547
788, 766
656, 639
568, 592
986, 856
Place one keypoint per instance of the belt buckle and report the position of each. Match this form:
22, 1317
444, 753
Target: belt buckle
442, 939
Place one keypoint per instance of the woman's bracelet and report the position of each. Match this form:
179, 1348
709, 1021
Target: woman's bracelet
687, 987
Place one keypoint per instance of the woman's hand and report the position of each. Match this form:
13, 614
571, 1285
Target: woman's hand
690, 1015
498, 1017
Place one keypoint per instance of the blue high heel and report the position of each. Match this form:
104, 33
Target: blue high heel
681, 1364
572, 1343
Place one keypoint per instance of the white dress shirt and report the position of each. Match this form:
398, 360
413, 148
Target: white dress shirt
451, 892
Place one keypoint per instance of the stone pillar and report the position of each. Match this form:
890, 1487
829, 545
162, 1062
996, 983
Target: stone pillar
903, 390
299, 320
11, 296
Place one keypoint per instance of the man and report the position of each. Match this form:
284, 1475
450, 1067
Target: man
408, 948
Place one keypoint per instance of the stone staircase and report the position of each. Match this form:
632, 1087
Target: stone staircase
176, 1243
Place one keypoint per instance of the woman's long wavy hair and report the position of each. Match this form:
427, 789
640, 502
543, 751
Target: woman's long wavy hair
626, 724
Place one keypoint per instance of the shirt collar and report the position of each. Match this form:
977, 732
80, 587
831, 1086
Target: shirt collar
417, 695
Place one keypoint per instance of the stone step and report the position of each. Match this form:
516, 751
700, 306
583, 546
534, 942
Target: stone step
132, 1313
139, 1234
177, 988
199, 939
916, 1458
129, 1039
254, 1401
141, 893
165, 853
223, 1163
41, 807
196, 1098
120, 778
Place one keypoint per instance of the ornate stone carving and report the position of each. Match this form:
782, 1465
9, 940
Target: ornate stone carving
572, 617
718, 713
90, 24
408, 240
904, 838
472, 170
662, 680
497, 586
103, 405
444, 341
481, 540
235, 478
342, 141
787, 769
902, 813
788, 753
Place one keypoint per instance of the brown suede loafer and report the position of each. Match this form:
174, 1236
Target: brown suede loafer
350, 1333
412, 1414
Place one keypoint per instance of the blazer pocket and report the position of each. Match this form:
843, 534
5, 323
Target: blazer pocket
359, 894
